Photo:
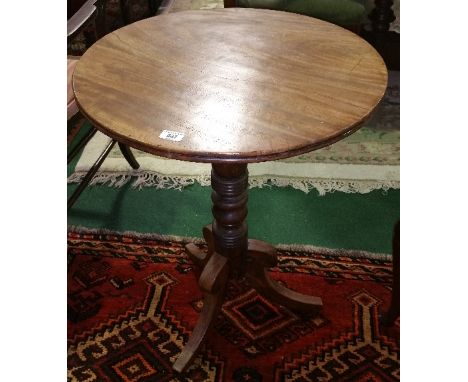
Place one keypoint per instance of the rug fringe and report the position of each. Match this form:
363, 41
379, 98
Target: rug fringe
160, 181
355, 253
114, 179
140, 235
153, 179
326, 185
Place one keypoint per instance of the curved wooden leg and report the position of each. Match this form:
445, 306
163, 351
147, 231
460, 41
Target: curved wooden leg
212, 281
262, 256
199, 257
128, 155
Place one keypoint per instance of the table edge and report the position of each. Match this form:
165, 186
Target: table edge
228, 157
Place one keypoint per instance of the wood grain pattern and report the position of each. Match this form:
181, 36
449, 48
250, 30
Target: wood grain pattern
242, 85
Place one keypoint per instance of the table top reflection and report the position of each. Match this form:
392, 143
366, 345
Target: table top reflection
242, 85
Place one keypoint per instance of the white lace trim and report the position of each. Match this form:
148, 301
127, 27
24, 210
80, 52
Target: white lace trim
159, 181
165, 173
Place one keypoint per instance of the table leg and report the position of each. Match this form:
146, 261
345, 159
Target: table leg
230, 253
262, 256
212, 281
227, 248
198, 257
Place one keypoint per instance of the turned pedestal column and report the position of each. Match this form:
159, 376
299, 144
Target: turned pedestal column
231, 255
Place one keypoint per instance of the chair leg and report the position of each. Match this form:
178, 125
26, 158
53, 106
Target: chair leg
128, 155
90, 175
75, 150
394, 310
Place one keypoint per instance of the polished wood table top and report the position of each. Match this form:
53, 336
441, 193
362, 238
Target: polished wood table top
242, 85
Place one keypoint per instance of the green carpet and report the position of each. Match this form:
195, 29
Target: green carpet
276, 214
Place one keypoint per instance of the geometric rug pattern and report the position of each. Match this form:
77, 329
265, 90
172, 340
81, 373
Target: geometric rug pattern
133, 302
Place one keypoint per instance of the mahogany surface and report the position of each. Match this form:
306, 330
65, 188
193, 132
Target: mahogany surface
243, 85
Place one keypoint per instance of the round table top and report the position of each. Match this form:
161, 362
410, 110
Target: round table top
229, 85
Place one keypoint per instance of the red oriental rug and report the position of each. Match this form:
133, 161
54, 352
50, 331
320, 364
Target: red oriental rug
133, 301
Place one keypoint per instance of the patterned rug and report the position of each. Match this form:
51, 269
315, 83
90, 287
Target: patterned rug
133, 302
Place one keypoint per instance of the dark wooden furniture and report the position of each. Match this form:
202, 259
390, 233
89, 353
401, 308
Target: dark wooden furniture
230, 87
382, 16
385, 41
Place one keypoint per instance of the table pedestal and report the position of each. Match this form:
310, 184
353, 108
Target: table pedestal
231, 254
